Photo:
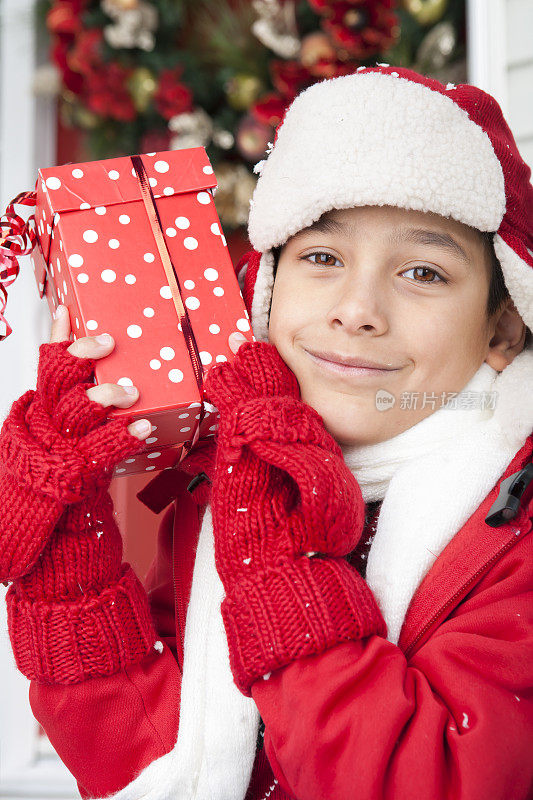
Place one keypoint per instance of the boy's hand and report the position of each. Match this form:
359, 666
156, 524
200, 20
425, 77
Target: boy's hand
281, 495
106, 394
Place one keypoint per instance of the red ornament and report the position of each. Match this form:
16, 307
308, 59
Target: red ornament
358, 28
85, 55
64, 18
107, 93
318, 55
252, 137
156, 141
270, 108
73, 80
289, 77
172, 97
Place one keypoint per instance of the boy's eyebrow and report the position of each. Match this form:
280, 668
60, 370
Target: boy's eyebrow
422, 236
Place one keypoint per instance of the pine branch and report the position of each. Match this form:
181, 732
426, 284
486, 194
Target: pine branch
222, 34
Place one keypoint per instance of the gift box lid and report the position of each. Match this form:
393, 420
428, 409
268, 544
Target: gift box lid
92, 184
99, 184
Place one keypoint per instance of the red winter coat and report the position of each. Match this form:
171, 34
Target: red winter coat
446, 713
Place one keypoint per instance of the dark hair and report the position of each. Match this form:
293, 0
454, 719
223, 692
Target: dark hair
498, 291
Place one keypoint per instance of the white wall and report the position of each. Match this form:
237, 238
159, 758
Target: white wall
500, 61
28, 767
519, 73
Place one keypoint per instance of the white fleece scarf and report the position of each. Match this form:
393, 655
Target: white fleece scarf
432, 477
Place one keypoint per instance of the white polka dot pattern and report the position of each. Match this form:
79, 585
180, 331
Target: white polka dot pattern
106, 267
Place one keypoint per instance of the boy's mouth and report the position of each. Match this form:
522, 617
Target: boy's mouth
349, 363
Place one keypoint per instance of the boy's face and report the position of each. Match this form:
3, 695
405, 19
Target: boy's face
390, 286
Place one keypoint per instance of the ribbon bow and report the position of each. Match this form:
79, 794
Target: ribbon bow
17, 238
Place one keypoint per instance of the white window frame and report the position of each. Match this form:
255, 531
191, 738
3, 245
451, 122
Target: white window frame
29, 768
486, 48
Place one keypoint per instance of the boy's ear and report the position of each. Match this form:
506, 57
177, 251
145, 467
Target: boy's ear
509, 334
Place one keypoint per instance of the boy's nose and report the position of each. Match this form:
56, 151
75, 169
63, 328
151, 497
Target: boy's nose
359, 309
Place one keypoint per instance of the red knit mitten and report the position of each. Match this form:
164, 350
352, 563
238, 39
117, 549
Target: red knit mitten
54, 451
74, 610
286, 509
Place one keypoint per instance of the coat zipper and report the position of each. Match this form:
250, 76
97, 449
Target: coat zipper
177, 610
461, 591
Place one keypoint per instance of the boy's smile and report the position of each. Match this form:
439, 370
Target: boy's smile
403, 290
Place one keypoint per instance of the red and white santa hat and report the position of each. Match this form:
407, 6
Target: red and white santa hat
389, 136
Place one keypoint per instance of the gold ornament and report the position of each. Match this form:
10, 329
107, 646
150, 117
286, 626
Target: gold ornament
124, 5
73, 114
190, 129
356, 19
242, 90
86, 119
314, 47
134, 24
142, 85
223, 138
426, 12
276, 27
437, 48
234, 192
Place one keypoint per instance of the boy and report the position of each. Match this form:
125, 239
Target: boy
392, 670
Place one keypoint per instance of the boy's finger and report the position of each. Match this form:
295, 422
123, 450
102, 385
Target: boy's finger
60, 325
235, 340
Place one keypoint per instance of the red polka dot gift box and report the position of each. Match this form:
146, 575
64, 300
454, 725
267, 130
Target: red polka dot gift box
133, 247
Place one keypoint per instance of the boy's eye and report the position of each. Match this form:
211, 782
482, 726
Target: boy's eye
425, 274
322, 262
425, 278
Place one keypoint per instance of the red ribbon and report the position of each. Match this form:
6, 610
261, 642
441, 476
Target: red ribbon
173, 281
17, 238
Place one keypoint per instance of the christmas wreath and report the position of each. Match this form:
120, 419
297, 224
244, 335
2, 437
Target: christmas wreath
145, 75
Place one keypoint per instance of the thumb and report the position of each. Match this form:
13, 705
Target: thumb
235, 340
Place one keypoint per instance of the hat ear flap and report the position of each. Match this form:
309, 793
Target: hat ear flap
516, 261
255, 274
246, 270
